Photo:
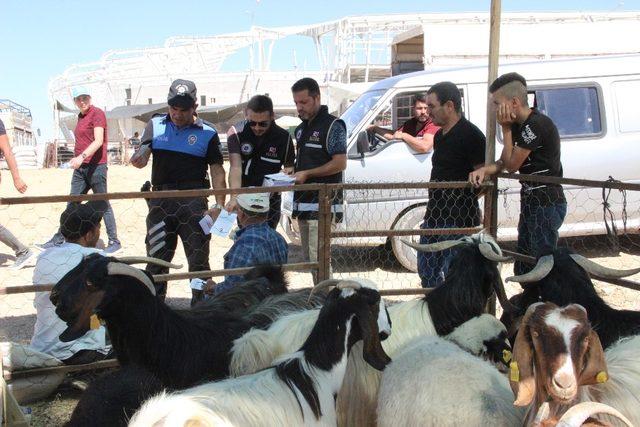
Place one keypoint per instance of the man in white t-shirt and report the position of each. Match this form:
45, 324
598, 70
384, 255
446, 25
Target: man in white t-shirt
80, 226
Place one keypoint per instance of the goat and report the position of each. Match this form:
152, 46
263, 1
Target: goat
112, 399
471, 280
562, 278
444, 381
179, 348
578, 414
555, 353
301, 389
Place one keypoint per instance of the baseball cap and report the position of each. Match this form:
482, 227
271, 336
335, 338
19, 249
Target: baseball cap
79, 90
182, 93
79, 218
255, 202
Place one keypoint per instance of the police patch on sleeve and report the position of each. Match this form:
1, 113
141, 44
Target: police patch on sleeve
192, 139
298, 133
246, 148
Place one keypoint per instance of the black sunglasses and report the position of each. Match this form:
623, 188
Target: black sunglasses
264, 124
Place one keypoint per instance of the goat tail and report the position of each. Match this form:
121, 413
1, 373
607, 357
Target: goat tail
176, 411
273, 273
252, 352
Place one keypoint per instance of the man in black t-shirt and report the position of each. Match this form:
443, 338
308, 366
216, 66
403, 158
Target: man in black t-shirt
184, 147
458, 149
531, 146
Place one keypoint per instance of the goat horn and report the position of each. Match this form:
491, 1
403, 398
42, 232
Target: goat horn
540, 271
433, 247
147, 259
600, 270
487, 251
578, 414
349, 284
114, 268
323, 285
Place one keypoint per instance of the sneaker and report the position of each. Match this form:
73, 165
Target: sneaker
24, 260
113, 248
53, 242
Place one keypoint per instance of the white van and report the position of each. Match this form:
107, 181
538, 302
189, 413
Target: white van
593, 102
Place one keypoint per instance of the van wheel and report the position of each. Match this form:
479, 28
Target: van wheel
410, 218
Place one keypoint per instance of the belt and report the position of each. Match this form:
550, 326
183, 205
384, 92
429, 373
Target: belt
187, 185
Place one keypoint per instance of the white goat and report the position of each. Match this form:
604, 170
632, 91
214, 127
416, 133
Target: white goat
298, 391
438, 381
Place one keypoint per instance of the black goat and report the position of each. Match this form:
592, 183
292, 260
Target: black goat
112, 399
181, 348
566, 283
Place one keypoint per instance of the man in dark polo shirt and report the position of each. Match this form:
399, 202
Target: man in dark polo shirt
90, 162
183, 147
531, 146
458, 149
418, 131
260, 148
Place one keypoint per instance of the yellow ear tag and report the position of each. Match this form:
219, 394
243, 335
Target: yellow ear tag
94, 322
506, 356
602, 377
515, 372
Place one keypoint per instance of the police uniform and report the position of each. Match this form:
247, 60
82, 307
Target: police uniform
264, 155
180, 161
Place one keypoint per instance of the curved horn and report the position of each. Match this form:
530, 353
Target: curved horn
602, 271
147, 259
578, 414
540, 271
323, 285
114, 268
488, 253
349, 284
433, 247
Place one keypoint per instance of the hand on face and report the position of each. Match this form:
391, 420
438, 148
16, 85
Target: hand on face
505, 114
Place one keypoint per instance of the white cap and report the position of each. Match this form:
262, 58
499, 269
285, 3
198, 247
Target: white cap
254, 202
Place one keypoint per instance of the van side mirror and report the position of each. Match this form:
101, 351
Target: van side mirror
362, 143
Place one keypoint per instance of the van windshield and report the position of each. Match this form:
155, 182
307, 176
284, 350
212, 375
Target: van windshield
356, 111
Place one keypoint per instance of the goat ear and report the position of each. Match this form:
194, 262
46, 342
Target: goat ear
521, 376
595, 370
372, 350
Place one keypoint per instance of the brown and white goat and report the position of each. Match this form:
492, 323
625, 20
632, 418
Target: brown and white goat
556, 351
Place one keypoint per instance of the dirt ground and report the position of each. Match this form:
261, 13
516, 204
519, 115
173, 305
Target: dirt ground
36, 223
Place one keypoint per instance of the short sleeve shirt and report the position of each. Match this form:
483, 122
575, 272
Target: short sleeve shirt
416, 129
455, 155
84, 134
539, 135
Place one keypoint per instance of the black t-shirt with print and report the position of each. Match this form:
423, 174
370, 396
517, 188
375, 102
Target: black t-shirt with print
455, 154
539, 135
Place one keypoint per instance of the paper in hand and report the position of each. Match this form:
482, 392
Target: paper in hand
223, 224
206, 223
278, 179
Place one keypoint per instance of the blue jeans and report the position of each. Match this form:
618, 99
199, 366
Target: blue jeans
94, 178
538, 231
433, 266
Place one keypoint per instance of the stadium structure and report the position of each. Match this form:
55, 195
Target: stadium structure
347, 55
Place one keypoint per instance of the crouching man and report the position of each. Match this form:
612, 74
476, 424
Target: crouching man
256, 243
80, 226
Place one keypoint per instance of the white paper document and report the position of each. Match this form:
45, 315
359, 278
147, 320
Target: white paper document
278, 179
223, 224
206, 223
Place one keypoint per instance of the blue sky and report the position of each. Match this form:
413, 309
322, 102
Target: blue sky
41, 38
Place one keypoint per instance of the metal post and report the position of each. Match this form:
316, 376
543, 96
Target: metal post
324, 234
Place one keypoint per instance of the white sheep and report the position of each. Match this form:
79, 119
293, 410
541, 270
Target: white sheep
441, 381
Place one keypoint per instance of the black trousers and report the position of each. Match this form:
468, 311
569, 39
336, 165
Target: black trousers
168, 219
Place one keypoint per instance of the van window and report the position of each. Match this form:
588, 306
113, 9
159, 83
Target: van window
574, 110
356, 111
627, 95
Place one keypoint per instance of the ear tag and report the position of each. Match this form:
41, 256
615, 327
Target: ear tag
602, 377
94, 322
514, 375
506, 356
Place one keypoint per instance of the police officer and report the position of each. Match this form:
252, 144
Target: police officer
321, 158
260, 148
182, 146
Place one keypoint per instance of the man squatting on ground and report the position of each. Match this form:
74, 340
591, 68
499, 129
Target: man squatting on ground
531, 146
321, 158
260, 148
183, 145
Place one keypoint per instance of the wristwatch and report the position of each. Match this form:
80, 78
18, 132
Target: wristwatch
217, 206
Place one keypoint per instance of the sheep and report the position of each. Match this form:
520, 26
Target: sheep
301, 389
555, 353
440, 381
472, 278
179, 348
561, 278
112, 399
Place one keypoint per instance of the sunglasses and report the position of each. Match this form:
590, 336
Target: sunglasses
263, 124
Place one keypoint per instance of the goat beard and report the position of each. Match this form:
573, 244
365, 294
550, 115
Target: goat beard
73, 332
